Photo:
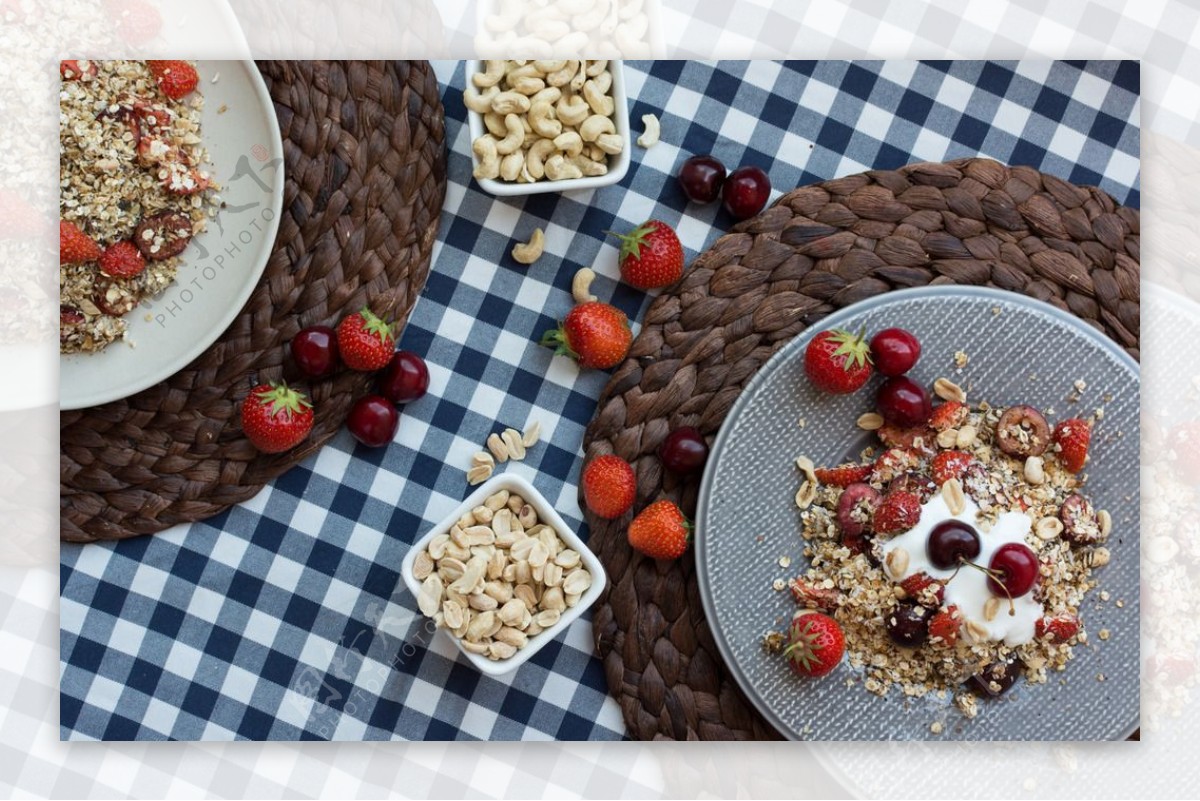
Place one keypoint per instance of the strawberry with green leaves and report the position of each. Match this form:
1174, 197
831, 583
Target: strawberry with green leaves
365, 342
838, 361
594, 334
660, 531
651, 256
816, 644
276, 417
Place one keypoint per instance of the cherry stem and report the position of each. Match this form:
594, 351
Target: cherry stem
995, 575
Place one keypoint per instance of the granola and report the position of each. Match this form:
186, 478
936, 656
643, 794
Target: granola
129, 171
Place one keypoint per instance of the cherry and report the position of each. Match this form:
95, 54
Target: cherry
405, 379
1001, 674
701, 178
745, 192
315, 350
908, 625
684, 451
895, 351
373, 420
950, 543
1015, 567
903, 402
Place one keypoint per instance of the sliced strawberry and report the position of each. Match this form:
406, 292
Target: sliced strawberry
807, 594
1058, 628
1073, 437
950, 414
950, 464
924, 589
892, 463
917, 438
843, 475
899, 511
943, 626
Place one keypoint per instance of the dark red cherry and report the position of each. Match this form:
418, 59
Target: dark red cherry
405, 379
903, 402
894, 351
950, 543
701, 178
684, 451
315, 350
1017, 567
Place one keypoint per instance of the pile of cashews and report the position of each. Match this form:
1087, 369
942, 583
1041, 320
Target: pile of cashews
546, 120
545, 28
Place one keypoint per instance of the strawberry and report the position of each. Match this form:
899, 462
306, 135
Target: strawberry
892, 463
918, 438
176, 79
1183, 449
816, 645
943, 626
660, 531
1059, 628
899, 511
949, 464
609, 486
837, 361
77, 70
276, 417
843, 475
651, 256
950, 414
138, 21
924, 589
807, 594
74, 246
1073, 436
594, 334
122, 260
365, 341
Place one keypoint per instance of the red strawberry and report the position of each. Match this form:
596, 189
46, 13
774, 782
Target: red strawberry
950, 414
609, 486
917, 586
949, 464
1059, 628
838, 361
899, 511
276, 417
843, 475
943, 626
919, 438
660, 531
651, 256
365, 341
1073, 436
74, 246
594, 334
77, 70
122, 260
176, 79
807, 594
892, 463
816, 643
138, 21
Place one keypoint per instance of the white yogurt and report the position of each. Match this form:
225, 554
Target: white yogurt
968, 591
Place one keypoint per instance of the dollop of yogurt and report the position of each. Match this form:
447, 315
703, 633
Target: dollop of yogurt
969, 591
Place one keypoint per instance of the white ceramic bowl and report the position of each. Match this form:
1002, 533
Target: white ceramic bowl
546, 514
617, 165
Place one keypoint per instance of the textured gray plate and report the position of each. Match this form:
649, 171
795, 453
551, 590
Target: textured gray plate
1020, 350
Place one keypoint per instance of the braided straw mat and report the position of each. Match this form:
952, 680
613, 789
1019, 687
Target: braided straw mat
820, 248
365, 161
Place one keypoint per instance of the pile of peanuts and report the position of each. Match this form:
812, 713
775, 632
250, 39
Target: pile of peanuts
499, 577
551, 120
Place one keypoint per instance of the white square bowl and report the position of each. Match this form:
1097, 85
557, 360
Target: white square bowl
617, 165
546, 514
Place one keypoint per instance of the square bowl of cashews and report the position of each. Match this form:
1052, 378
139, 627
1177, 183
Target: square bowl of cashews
502, 575
547, 126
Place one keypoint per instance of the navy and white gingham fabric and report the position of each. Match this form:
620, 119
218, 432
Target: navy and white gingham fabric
285, 617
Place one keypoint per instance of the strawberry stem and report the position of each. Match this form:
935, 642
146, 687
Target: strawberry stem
632, 242
556, 338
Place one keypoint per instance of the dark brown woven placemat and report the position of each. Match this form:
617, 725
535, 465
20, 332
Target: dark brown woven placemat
820, 248
365, 160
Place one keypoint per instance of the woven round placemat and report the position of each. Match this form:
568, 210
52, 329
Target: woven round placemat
819, 248
365, 163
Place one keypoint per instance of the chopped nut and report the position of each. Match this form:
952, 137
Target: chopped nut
946, 389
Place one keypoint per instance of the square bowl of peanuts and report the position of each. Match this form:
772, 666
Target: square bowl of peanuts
503, 574
547, 126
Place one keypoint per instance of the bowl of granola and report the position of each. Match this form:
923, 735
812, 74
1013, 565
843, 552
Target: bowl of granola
171, 185
980, 566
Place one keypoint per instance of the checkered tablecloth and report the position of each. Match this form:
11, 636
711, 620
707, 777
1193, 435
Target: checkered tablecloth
285, 617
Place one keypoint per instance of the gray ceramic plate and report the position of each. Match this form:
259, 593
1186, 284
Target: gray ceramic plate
1019, 350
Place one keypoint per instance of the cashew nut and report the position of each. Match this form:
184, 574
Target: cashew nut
581, 285
535, 160
480, 103
510, 14
526, 85
596, 67
548, 30
580, 77
593, 152
599, 102
589, 167
631, 36
495, 124
591, 19
630, 9
547, 67
515, 138
604, 81
611, 143
563, 75
531, 252
569, 142
489, 160
493, 72
510, 103
510, 165
572, 110
550, 94
650, 137
541, 119
574, 7
559, 169
595, 125
523, 69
